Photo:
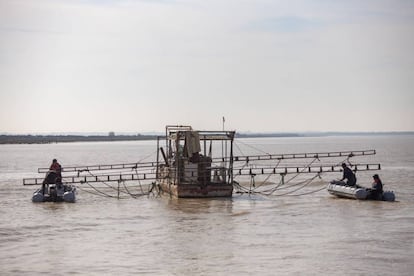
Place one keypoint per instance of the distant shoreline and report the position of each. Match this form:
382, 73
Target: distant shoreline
49, 139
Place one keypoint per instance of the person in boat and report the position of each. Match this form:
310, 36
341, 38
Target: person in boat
348, 175
54, 176
56, 167
377, 188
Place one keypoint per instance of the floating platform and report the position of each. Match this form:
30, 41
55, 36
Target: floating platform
189, 171
197, 191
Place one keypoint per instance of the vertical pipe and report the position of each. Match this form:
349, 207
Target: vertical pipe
178, 157
231, 162
158, 158
222, 142
225, 151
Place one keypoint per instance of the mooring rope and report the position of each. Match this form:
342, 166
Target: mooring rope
144, 158
103, 194
311, 192
268, 176
277, 187
106, 184
139, 182
247, 163
131, 194
100, 193
253, 189
282, 185
310, 181
250, 146
306, 183
117, 189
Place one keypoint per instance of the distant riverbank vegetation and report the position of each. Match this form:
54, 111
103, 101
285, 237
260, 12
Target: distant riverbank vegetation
47, 139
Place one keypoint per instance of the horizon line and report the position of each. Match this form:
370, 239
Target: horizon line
151, 133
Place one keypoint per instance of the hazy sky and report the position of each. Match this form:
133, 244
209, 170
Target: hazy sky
138, 65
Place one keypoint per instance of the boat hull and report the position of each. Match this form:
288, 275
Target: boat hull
53, 193
359, 193
197, 191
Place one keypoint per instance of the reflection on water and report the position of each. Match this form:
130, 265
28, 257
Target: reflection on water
244, 235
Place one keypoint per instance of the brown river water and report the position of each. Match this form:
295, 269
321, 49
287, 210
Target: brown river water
308, 234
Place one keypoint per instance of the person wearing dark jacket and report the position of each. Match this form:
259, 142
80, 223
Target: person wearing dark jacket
348, 175
377, 188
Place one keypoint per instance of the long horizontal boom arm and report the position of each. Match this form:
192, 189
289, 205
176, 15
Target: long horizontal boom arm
304, 169
240, 158
95, 178
304, 155
104, 167
245, 171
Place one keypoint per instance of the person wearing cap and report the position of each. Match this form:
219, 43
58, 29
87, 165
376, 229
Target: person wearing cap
348, 175
377, 188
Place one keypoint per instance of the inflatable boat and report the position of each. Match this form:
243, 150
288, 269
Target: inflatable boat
53, 190
357, 192
55, 193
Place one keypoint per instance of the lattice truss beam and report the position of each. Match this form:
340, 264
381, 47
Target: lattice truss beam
266, 164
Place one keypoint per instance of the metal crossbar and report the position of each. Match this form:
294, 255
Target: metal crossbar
244, 171
304, 169
304, 155
104, 167
235, 158
95, 178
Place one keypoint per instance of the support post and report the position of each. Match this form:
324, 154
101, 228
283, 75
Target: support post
158, 158
118, 188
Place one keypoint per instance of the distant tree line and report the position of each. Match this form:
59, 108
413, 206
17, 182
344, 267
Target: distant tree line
258, 135
46, 139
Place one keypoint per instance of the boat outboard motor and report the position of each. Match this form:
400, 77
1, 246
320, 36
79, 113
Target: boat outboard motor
60, 189
53, 193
